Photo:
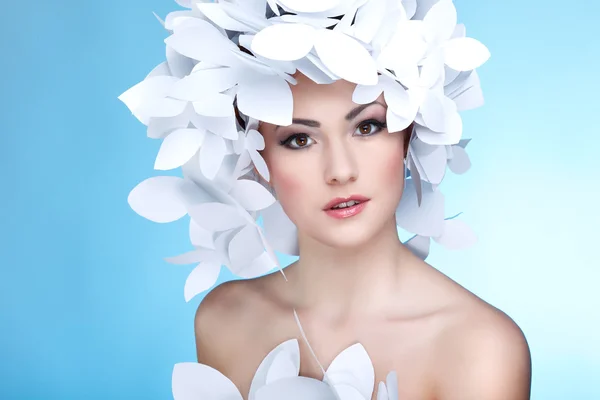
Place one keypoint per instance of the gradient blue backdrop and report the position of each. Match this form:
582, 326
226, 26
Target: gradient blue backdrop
89, 309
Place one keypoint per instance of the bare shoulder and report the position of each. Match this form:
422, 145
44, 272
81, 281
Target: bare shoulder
229, 330
482, 354
217, 317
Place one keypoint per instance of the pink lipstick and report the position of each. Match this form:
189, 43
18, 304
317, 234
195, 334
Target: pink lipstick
346, 207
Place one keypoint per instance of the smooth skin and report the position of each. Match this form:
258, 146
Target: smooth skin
354, 280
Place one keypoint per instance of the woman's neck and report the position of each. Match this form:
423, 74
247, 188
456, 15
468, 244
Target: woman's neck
341, 284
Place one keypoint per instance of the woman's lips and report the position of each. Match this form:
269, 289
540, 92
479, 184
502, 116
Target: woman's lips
339, 200
347, 212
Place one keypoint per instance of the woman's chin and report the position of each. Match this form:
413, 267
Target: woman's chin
350, 237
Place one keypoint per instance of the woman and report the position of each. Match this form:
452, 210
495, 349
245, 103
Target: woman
354, 280
348, 92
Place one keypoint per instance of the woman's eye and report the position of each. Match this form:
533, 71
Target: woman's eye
369, 127
297, 141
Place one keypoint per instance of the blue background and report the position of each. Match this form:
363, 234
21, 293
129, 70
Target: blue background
89, 309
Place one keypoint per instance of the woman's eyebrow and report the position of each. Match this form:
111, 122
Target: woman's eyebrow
351, 115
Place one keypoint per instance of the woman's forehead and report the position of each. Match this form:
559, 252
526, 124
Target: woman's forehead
313, 98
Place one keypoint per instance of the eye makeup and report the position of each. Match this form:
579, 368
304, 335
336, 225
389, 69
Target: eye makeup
292, 141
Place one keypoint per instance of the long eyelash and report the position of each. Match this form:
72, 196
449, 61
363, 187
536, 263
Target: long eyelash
377, 123
288, 140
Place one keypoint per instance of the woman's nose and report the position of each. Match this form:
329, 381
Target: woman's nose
341, 166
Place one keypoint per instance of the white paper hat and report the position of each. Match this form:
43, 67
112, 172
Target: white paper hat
241, 54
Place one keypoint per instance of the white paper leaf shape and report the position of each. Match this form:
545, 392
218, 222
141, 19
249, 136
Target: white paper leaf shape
178, 147
345, 57
419, 246
285, 42
216, 217
464, 54
288, 349
157, 199
298, 388
267, 99
251, 195
280, 231
245, 246
193, 381
353, 362
202, 278
309, 6
456, 235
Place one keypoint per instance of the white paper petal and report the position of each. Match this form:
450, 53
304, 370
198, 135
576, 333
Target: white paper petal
159, 128
456, 235
356, 361
312, 71
395, 122
204, 83
283, 366
215, 13
419, 246
223, 126
251, 195
441, 19
200, 236
244, 247
401, 102
382, 393
349, 392
391, 382
202, 278
256, 139
157, 199
184, 3
161, 69
299, 388
285, 42
432, 163
460, 162
260, 164
426, 219
216, 217
203, 42
141, 99
179, 65
215, 105
178, 147
193, 381
317, 22
451, 135
261, 265
464, 54
369, 18
364, 94
346, 57
194, 256
212, 153
423, 7
435, 110
268, 99
291, 349
309, 6
411, 7
279, 230
319, 64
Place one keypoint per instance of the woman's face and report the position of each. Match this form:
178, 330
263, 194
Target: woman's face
335, 148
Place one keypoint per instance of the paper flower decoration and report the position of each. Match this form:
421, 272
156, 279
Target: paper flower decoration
349, 377
240, 53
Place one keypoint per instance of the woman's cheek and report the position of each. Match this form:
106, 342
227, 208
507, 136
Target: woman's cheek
289, 187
